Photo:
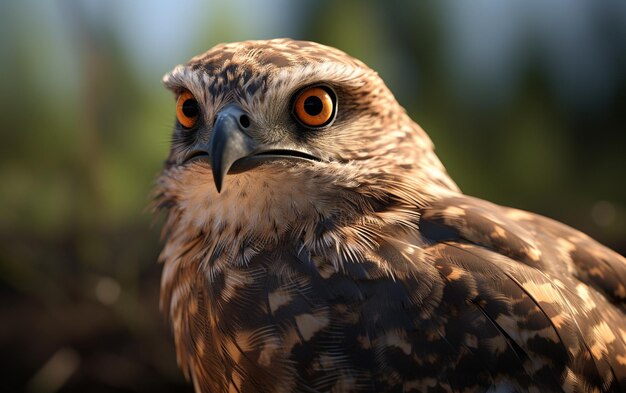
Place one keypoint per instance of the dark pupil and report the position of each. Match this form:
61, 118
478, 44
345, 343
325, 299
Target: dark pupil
313, 106
190, 108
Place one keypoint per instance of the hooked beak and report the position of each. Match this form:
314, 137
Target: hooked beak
231, 149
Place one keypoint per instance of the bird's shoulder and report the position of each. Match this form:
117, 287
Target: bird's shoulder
530, 239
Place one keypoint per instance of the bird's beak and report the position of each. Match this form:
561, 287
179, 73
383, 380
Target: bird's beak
229, 142
231, 149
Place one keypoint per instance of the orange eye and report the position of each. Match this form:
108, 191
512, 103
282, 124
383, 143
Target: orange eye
187, 109
314, 107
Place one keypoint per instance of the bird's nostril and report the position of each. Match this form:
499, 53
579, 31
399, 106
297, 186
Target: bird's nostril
244, 120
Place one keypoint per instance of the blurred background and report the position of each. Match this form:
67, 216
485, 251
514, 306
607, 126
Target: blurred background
525, 101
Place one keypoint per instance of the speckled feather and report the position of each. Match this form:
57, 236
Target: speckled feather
369, 270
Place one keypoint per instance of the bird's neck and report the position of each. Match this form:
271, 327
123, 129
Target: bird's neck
335, 216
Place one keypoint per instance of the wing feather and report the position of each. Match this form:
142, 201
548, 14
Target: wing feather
569, 281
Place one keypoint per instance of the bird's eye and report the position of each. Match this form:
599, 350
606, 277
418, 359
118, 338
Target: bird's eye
187, 109
315, 106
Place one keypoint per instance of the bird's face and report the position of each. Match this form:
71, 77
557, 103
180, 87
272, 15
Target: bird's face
264, 125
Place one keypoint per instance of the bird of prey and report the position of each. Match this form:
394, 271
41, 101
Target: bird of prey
315, 243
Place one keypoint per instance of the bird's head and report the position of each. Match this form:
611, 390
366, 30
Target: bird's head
279, 135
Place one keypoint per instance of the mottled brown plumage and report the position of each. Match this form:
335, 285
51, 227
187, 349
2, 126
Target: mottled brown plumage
344, 259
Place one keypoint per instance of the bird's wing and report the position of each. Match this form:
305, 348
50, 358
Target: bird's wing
557, 295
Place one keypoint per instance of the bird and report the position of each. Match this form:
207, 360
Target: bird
314, 242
